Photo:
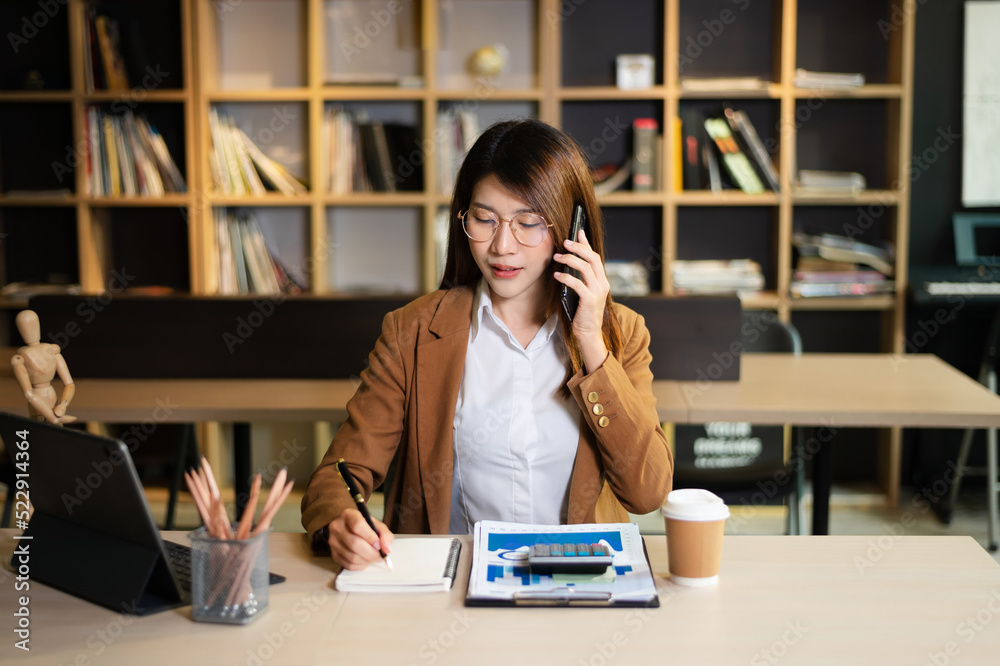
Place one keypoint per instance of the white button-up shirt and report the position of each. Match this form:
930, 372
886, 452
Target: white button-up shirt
515, 435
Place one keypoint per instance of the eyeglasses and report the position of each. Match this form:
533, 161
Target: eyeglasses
529, 229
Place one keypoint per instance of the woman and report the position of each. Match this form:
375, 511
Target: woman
493, 402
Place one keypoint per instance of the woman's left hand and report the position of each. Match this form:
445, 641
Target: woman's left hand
593, 289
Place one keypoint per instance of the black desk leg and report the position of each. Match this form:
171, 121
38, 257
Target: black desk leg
822, 478
241, 465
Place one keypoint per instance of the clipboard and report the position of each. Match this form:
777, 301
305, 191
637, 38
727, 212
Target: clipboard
500, 576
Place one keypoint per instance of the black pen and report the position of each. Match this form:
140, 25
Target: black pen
359, 500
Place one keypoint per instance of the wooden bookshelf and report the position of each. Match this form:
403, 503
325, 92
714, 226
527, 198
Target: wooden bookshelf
272, 56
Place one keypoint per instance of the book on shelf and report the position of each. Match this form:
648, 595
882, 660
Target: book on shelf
458, 129
644, 157
735, 161
104, 67
833, 247
243, 261
716, 276
677, 159
813, 182
827, 80
125, 155
749, 141
610, 177
695, 174
240, 168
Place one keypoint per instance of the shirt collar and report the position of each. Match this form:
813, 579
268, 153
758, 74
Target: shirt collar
483, 305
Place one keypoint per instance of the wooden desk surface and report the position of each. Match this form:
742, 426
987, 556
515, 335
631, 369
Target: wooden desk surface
813, 389
795, 600
844, 390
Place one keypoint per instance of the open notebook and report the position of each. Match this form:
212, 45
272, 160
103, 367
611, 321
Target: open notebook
423, 564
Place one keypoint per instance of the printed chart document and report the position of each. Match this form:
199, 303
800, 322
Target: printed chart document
419, 565
500, 574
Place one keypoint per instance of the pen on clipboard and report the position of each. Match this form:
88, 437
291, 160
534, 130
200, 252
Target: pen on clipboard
359, 500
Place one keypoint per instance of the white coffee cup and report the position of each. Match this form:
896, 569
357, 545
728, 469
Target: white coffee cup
695, 520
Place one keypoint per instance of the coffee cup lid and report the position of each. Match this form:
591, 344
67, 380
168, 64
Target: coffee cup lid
694, 504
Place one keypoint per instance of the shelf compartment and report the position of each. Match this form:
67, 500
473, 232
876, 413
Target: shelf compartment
237, 58
166, 118
595, 32
405, 149
35, 54
39, 244
150, 41
848, 135
849, 36
603, 128
280, 131
765, 117
372, 249
371, 42
286, 235
727, 38
454, 119
635, 233
730, 233
144, 247
495, 33
44, 161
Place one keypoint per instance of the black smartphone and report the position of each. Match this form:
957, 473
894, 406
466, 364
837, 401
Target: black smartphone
570, 299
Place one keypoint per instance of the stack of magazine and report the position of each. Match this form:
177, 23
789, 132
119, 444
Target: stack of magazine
828, 80
240, 167
128, 156
832, 265
829, 183
244, 263
716, 276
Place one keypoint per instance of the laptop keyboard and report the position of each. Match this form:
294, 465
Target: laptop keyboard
180, 562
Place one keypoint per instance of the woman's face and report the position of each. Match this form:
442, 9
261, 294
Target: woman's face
513, 271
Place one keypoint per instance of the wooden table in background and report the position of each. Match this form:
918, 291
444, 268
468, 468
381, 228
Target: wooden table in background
831, 390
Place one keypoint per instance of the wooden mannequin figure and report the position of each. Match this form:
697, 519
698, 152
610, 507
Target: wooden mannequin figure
35, 366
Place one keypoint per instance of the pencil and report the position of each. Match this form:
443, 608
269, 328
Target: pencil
359, 500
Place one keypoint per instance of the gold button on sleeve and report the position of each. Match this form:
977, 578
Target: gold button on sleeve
598, 409
603, 421
592, 396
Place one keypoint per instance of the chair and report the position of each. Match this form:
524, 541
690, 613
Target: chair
747, 471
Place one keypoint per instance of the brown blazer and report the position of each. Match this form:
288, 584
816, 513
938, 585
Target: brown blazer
405, 406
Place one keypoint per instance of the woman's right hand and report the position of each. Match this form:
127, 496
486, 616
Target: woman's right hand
353, 544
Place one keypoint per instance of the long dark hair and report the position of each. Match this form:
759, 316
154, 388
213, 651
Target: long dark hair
547, 170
